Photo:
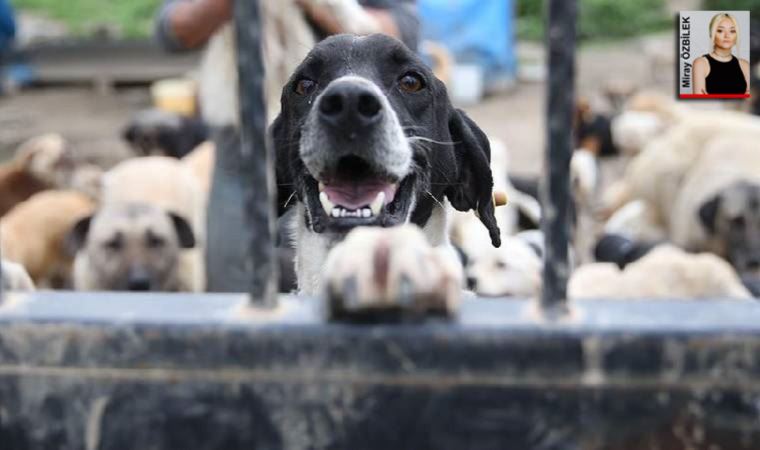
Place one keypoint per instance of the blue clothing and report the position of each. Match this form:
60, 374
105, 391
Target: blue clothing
7, 26
404, 13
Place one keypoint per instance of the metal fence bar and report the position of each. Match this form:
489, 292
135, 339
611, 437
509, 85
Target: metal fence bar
258, 157
555, 189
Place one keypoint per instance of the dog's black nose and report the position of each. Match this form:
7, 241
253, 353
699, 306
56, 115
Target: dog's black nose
138, 280
472, 283
350, 105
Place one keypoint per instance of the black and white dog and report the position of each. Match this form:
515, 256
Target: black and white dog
367, 137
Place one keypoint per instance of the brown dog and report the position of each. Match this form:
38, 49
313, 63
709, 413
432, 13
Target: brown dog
34, 231
25, 174
44, 162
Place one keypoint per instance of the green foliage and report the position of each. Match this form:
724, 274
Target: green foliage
599, 19
134, 18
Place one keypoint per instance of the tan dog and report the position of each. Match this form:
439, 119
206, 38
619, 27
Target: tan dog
166, 183
44, 162
33, 234
201, 163
718, 207
665, 272
14, 277
656, 174
131, 247
30, 170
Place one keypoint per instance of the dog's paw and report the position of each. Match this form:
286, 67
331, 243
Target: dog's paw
376, 271
14, 277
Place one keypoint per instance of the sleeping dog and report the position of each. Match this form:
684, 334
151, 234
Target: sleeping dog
367, 136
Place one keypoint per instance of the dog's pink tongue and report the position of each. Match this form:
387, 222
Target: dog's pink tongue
353, 196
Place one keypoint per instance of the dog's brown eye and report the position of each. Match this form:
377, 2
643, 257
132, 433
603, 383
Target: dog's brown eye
305, 86
411, 82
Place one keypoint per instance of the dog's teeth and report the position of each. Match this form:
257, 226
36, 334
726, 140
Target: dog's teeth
336, 212
378, 204
326, 203
342, 212
321, 186
366, 212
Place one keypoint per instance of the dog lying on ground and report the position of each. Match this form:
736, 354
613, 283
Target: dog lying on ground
14, 277
664, 272
649, 115
33, 234
714, 203
656, 174
367, 136
149, 227
718, 207
514, 268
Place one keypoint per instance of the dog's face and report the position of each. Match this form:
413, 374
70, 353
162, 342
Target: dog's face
733, 218
512, 270
132, 247
368, 136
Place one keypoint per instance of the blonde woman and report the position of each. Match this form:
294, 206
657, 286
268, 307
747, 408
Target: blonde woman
720, 72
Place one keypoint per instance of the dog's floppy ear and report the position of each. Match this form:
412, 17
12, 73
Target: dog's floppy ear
77, 236
473, 188
708, 213
284, 178
184, 231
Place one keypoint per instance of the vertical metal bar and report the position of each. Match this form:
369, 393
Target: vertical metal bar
555, 187
258, 158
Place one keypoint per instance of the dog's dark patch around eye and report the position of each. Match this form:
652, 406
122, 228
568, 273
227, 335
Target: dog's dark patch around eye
153, 240
738, 222
116, 242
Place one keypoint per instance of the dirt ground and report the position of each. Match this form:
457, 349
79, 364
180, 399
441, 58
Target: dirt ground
93, 122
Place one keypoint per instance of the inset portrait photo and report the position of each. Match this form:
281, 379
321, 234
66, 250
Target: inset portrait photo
713, 54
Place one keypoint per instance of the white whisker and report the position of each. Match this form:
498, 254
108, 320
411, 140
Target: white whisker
434, 199
432, 141
289, 199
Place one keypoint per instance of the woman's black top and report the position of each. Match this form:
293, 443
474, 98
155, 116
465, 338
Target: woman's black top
725, 77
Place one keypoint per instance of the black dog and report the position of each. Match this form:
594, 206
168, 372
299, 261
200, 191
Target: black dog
367, 136
156, 132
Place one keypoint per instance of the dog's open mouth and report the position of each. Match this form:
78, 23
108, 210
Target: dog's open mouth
356, 194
